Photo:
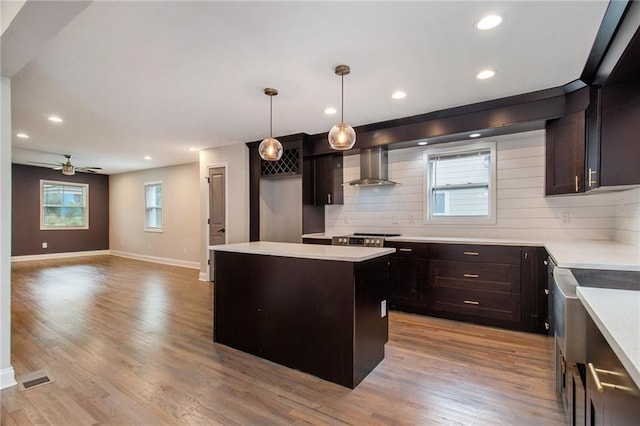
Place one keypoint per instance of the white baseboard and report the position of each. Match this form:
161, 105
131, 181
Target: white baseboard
155, 259
58, 255
7, 378
204, 276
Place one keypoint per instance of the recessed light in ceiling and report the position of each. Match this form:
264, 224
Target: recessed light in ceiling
147, 157
489, 22
475, 135
399, 95
55, 119
485, 74
330, 111
423, 143
22, 135
192, 148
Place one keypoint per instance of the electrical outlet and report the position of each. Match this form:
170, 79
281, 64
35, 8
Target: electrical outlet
565, 218
394, 219
44, 244
412, 218
383, 309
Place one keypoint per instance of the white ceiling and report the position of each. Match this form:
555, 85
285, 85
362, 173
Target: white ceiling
152, 78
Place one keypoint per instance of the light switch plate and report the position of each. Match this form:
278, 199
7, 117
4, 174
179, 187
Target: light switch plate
383, 309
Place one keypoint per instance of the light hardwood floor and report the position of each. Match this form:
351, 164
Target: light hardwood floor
130, 342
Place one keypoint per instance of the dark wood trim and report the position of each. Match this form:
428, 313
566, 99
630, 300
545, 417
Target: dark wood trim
254, 194
628, 67
607, 31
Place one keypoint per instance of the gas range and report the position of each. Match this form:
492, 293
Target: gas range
362, 239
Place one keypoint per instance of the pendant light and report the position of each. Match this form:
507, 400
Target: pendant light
342, 136
270, 149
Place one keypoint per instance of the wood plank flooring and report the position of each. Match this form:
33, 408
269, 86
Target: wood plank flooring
130, 342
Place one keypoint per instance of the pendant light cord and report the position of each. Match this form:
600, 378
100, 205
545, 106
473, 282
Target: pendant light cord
342, 97
271, 116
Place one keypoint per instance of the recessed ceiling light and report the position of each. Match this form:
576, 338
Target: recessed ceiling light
475, 135
22, 135
485, 74
423, 143
399, 95
147, 157
330, 111
192, 148
55, 119
489, 22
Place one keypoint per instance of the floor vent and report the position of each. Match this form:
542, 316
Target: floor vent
33, 380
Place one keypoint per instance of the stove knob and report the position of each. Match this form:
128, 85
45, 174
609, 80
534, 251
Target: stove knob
342, 240
366, 242
377, 242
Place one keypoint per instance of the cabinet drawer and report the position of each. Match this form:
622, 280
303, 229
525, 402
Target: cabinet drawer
408, 249
475, 253
487, 304
479, 276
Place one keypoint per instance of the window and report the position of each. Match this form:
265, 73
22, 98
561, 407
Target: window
153, 206
460, 184
64, 205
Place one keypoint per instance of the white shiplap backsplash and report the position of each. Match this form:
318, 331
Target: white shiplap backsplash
627, 219
523, 212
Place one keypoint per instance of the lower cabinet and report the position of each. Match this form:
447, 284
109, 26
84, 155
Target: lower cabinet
408, 271
612, 398
501, 286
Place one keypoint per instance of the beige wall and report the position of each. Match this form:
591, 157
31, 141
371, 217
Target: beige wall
236, 159
179, 242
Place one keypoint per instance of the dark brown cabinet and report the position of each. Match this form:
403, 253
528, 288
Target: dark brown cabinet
409, 277
565, 154
606, 404
503, 286
327, 179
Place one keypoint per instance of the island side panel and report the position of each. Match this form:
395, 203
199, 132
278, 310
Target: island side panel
371, 328
293, 311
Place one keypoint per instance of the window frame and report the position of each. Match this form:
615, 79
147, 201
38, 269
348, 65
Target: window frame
148, 228
85, 192
460, 148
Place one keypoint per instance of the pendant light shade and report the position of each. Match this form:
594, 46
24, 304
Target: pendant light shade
270, 149
342, 136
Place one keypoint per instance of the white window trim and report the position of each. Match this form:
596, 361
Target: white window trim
85, 187
452, 148
146, 228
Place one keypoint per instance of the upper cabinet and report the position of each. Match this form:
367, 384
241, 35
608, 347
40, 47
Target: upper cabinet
327, 180
565, 154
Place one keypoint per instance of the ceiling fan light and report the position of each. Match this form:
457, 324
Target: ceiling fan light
68, 169
342, 137
270, 149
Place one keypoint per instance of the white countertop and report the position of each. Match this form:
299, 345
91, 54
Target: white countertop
592, 254
461, 240
617, 315
306, 251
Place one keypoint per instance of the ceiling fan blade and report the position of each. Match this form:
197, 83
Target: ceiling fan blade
57, 168
46, 164
84, 170
92, 168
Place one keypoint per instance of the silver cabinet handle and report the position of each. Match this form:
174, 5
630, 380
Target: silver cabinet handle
471, 275
406, 249
471, 302
592, 181
328, 198
471, 253
546, 291
545, 262
546, 326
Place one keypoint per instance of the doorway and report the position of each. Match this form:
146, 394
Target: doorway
217, 210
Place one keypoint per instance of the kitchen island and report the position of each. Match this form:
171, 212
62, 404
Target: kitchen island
319, 309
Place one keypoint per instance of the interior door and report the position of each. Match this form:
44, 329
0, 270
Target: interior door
217, 200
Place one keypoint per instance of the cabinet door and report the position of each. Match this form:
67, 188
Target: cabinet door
565, 154
328, 179
408, 286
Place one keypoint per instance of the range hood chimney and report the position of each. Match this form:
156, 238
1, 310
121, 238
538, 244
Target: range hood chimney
374, 169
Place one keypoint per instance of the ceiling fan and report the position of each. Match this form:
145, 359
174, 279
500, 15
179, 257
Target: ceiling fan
68, 168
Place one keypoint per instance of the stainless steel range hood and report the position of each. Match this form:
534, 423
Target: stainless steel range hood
374, 170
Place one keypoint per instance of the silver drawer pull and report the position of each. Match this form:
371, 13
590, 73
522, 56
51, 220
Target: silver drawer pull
405, 249
546, 291
471, 302
601, 385
546, 326
471, 276
471, 253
